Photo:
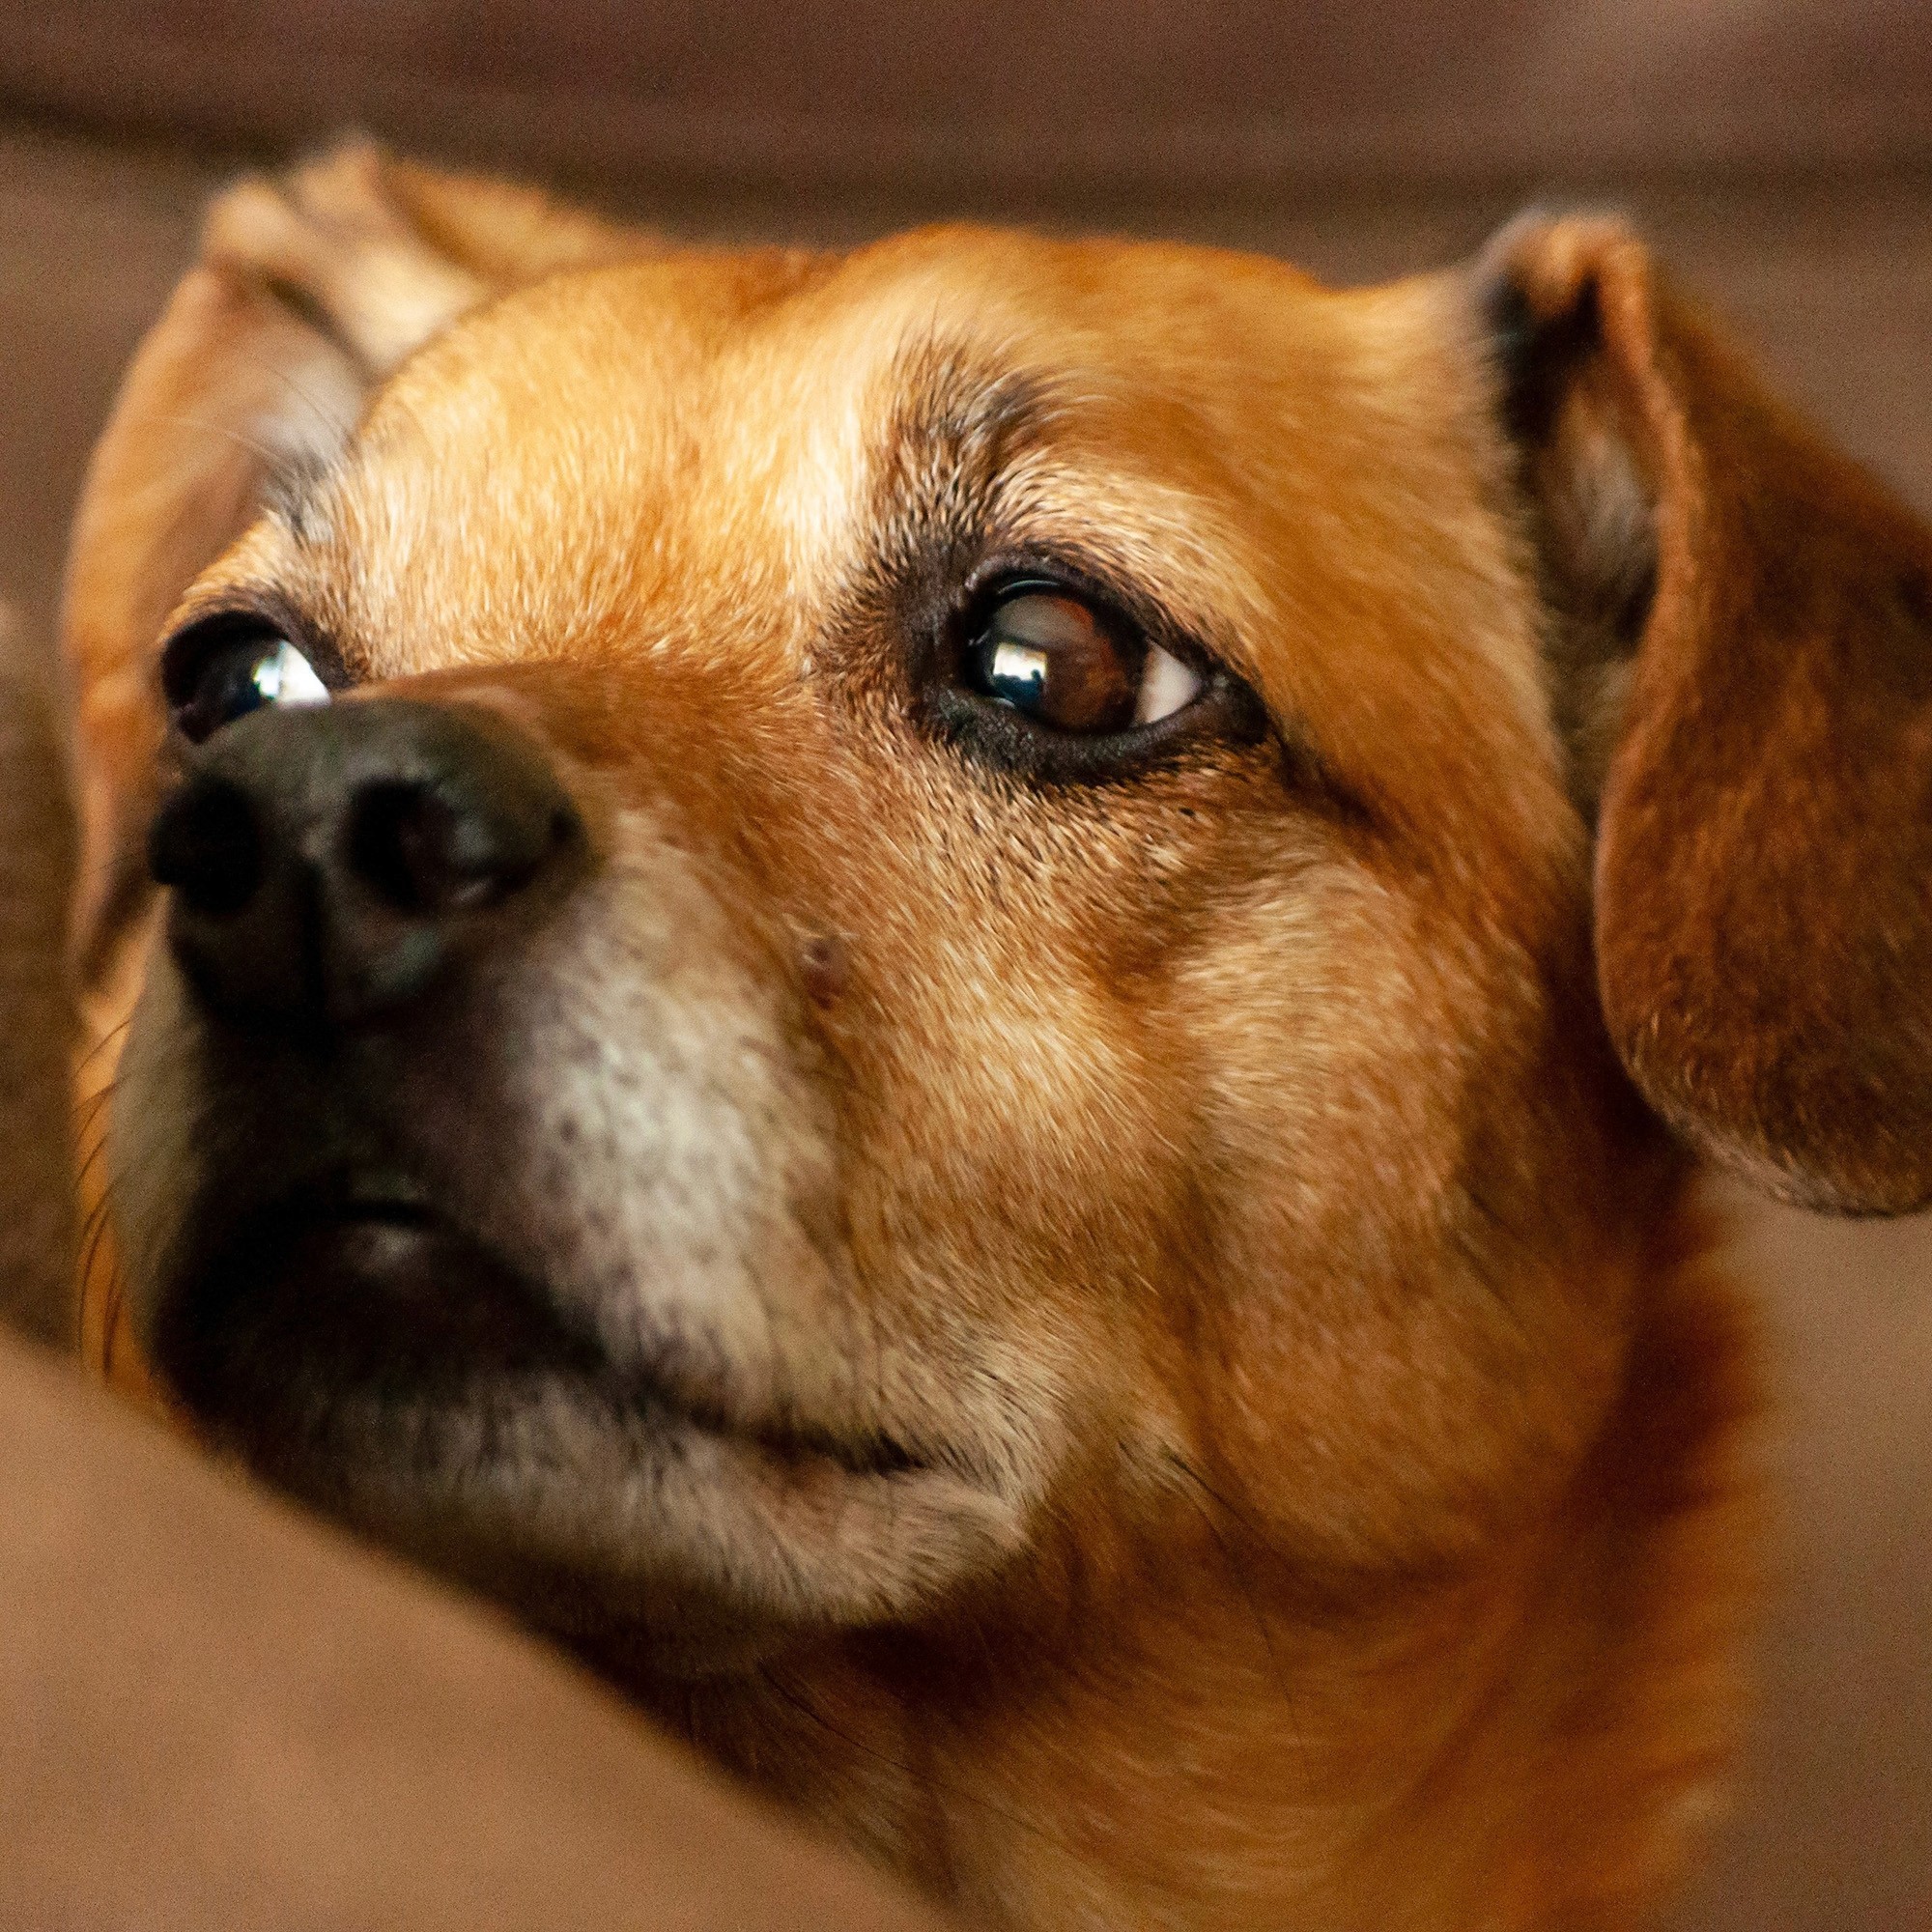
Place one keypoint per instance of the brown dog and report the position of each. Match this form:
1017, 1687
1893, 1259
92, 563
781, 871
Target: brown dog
925, 1059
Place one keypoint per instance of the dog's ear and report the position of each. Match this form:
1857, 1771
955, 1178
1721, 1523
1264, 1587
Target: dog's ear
309, 290
1741, 626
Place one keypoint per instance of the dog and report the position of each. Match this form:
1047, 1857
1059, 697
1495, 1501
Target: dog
962, 1000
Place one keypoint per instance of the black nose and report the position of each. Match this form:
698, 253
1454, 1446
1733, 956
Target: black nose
328, 863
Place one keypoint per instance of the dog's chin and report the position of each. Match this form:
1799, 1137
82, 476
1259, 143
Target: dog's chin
375, 1361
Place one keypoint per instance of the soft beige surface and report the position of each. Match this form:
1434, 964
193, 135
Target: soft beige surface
1835, 284
219, 1716
35, 847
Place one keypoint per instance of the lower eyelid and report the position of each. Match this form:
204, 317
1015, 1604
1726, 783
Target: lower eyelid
1167, 685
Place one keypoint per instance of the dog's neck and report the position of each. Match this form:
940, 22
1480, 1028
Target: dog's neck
1206, 1739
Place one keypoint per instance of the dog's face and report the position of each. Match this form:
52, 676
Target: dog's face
843, 929
983, 971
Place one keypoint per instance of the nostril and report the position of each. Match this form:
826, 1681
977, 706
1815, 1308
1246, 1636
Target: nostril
207, 845
424, 851
418, 851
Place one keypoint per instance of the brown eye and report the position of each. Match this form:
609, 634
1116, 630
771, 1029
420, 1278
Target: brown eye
1057, 661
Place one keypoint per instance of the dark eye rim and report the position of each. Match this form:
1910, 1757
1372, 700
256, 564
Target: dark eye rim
1224, 710
190, 650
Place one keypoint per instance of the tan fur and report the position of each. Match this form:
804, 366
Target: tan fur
1327, 1503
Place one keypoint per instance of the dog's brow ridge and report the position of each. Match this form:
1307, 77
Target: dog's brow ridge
951, 402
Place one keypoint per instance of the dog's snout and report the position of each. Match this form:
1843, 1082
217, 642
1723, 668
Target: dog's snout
329, 864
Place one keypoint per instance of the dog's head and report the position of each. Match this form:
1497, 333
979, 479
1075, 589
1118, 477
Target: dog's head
834, 920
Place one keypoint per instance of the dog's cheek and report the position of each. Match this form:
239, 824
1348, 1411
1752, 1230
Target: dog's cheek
1383, 1390
1018, 1091
1018, 1188
628, 1116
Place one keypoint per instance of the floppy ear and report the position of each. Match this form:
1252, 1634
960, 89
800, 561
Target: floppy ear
309, 291
1741, 630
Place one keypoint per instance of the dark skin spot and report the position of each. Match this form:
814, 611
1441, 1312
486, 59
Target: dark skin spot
825, 968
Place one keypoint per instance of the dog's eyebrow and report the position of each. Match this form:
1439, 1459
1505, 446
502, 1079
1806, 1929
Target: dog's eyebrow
291, 490
954, 420
950, 397
957, 420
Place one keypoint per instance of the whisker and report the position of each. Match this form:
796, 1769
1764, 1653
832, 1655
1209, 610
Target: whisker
82, 1134
112, 1302
93, 1052
261, 451
336, 427
1256, 1531
87, 1165
88, 1114
90, 1244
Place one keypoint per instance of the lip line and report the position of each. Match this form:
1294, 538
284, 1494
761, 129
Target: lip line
396, 1203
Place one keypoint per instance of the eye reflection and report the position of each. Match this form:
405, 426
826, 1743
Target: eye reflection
1016, 675
286, 677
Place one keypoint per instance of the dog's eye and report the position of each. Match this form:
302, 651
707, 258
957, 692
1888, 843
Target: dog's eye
218, 671
1060, 662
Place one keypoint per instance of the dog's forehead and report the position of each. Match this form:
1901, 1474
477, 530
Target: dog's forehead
702, 367
715, 440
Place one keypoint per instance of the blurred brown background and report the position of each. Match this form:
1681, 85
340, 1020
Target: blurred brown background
1780, 153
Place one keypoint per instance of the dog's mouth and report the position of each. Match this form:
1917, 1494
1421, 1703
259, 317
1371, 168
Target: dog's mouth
372, 1297
338, 1298
370, 1355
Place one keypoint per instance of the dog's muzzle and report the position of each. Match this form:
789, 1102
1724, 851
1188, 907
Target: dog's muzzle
329, 864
